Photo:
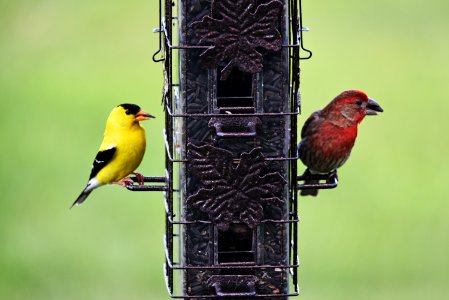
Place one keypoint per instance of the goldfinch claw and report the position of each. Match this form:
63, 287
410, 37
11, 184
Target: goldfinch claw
140, 178
124, 182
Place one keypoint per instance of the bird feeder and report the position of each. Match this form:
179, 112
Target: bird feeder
231, 101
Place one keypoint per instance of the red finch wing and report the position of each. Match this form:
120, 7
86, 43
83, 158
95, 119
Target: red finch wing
310, 126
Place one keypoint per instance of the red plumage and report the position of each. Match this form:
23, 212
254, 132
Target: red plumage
328, 135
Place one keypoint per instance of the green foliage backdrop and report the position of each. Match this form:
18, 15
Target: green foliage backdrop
383, 234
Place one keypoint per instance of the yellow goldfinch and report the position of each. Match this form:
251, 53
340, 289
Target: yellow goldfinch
121, 151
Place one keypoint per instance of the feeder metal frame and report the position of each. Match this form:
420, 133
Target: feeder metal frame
167, 183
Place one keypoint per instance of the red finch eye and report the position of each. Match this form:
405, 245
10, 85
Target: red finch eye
359, 102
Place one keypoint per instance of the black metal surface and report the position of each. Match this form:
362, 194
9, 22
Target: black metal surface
233, 129
196, 235
237, 30
301, 39
225, 115
159, 31
168, 100
233, 285
295, 103
228, 193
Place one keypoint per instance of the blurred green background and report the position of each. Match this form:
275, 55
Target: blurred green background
383, 234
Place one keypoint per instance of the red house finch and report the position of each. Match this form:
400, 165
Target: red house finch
328, 135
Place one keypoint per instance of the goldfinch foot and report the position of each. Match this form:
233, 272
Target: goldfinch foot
124, 182
140, 178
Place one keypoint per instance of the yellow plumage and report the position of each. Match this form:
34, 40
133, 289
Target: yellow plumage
122, 149
129, 139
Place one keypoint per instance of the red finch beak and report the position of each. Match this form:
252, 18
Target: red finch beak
372, 108
143, 115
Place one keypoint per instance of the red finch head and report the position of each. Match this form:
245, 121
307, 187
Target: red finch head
329, 134
350, 107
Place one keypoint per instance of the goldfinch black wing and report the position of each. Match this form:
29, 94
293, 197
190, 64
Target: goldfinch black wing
101, 160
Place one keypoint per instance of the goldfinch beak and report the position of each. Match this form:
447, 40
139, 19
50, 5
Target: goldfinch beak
143, 115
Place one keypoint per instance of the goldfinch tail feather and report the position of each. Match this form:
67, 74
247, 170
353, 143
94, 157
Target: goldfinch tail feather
81, 198
91, 185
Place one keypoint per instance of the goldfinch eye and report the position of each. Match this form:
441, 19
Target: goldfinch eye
359, 102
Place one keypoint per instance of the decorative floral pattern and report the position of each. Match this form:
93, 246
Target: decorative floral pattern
233, 193
235, 31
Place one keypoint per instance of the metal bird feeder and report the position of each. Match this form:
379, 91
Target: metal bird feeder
231, 101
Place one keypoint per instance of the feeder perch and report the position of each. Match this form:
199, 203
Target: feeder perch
330, 180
